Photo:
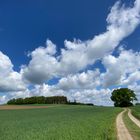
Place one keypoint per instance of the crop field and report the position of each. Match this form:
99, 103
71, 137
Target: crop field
136, 111
64, 122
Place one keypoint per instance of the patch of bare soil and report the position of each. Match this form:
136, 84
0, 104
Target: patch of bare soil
13, 107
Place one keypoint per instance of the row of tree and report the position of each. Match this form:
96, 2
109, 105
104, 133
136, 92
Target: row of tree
39, 100
45, 100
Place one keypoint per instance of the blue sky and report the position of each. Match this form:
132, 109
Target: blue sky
26, 25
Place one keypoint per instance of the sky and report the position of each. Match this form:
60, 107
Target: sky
79, 49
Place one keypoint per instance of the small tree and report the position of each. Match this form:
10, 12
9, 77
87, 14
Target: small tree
123, 97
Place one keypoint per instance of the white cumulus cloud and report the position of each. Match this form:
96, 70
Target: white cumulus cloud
76, 82
124, 69
77, 55
10, 80
84, 80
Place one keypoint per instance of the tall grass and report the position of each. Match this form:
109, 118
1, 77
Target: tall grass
59, 123
136, 111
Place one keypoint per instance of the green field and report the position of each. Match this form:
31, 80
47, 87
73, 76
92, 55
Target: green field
136, 111
64, 122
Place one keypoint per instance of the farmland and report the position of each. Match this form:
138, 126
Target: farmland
64, 122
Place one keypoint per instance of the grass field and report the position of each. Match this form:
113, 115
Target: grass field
136, 111
59, 123
132, 127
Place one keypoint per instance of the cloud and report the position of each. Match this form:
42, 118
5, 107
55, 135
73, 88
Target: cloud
121, 70
98, 97
136, 87
9, 79
76, 82
3, 99
87, 86
132, 78
46, 90
83, 86
42, 66
77, 55
80, 81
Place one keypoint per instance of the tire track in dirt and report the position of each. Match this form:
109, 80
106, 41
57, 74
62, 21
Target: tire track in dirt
122, 131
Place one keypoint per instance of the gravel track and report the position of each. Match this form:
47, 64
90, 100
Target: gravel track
122, 131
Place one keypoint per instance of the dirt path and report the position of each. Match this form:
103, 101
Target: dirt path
135, 120
122, 132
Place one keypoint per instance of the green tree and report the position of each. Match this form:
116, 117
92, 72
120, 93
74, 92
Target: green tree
123, 97
39, 100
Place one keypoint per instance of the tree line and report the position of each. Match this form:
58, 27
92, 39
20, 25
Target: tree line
44, 100
38, 100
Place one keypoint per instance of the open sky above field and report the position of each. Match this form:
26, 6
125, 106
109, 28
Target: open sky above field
79, 49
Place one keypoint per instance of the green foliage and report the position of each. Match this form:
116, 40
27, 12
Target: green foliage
123, 97
62, 122
78, 103
44, 100
39, 100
